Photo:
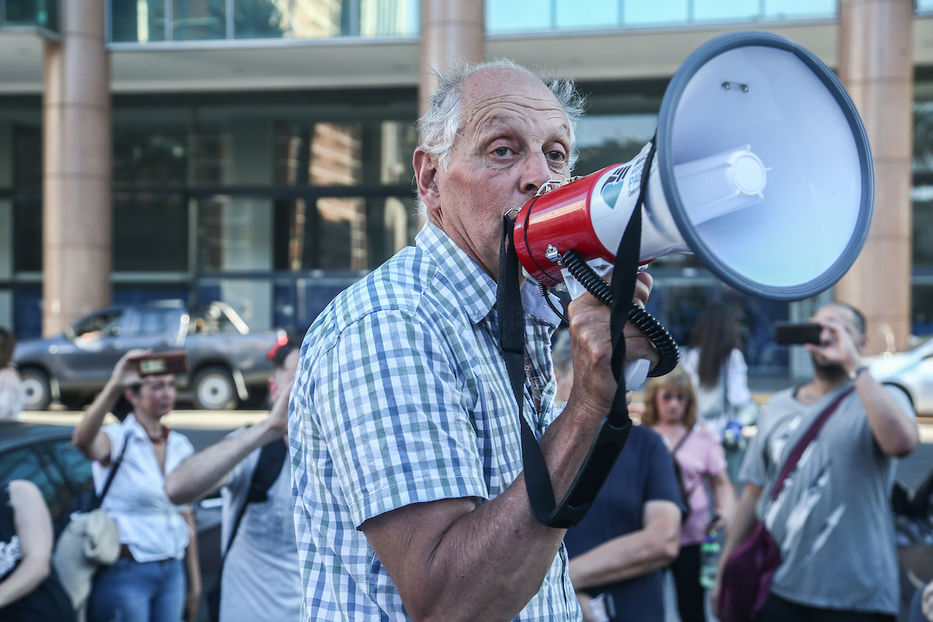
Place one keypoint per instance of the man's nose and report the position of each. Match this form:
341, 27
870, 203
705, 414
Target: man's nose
535, 173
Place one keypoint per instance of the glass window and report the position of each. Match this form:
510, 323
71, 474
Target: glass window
518, 15
234, 233
342, 233
296, 20
137, 20
150, 232
789, 9
924, 5
587, 13
98, 325
734, 10
199, 19
31, 13
25, 464
650, 12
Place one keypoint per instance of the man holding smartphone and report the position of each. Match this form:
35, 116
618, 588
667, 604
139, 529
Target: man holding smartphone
259, 575
832, 517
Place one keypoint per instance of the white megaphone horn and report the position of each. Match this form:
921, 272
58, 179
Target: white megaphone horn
762, 170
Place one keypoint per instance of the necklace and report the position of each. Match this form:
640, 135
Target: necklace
160, 438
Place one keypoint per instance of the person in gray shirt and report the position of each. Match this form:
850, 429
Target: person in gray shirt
832, 517
260, 576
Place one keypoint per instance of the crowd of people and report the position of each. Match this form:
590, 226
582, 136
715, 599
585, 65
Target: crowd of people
390, 480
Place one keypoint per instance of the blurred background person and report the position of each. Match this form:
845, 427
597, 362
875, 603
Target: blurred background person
260, 579
670, 410
29, 588
719, 373
921, 607
148, 581
11, 385
618, 550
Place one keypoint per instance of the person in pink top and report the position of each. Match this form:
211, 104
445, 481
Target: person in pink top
671, 410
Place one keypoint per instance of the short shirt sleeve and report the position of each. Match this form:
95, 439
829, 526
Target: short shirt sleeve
395, 416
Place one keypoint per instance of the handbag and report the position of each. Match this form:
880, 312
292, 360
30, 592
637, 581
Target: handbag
747, 572
88, 540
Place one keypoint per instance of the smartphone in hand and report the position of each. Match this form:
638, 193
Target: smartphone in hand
793, 333
158, 363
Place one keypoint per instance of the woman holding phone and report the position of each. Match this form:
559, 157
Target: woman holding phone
148, 581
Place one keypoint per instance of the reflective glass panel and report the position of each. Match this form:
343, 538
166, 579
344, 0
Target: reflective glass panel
137, 20
789, 9
734, 10
150, 233
587, 13
518, 15
199, 19
650, 12
30, 13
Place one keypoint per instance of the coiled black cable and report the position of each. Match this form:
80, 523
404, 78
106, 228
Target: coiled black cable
643, 321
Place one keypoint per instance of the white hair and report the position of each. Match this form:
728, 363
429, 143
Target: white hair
437, 129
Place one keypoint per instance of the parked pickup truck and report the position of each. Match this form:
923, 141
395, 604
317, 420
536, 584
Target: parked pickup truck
226, 362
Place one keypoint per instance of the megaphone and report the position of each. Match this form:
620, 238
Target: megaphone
762, 169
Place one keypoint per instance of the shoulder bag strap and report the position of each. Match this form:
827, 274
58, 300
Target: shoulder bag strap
681, 441
803, 442
113, 472
268, 467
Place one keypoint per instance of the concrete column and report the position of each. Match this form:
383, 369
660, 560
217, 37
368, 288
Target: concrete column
452, 32
76, 210
876, 67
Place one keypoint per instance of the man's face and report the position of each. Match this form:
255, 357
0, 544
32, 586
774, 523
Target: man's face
846, 318
514, 137
156, 397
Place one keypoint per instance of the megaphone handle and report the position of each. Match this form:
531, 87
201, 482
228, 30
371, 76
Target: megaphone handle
583, 276
636, 372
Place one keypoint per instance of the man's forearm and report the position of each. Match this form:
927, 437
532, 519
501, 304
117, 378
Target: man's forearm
452, 560
742, 522
207, 470
895, 432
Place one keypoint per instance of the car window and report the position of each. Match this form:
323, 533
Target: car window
24, 463
152, 322
75, 467
99, 325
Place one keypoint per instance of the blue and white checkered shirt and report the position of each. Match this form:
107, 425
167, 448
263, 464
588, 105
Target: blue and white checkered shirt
402, 397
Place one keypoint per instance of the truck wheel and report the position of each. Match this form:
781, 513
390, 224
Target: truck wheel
213, 389
38, 394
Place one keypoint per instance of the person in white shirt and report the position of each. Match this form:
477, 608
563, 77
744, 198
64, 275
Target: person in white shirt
148, 580
11, 385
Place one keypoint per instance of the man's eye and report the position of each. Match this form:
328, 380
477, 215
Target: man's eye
556, 156
501, 152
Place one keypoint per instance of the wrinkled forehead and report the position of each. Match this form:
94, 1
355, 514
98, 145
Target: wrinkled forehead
498, 96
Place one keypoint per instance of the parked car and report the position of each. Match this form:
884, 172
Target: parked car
44, 455
226, 361
911, 371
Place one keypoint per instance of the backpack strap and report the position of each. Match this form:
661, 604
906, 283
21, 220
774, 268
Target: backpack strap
268, 467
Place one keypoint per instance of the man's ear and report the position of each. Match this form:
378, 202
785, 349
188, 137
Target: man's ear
426, 179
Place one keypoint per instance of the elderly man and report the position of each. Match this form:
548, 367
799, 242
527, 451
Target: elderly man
404, 430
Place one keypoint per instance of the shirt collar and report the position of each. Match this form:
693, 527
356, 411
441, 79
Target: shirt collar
477, 287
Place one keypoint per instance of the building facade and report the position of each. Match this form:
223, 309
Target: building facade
259, 151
